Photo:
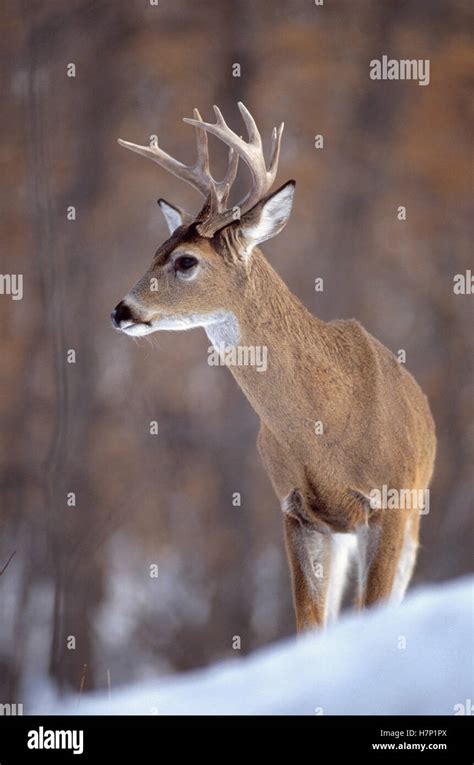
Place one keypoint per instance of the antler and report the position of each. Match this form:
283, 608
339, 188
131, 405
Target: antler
251, 152
197, 175
214, 214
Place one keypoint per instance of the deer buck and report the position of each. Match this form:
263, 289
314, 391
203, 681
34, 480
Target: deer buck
375, 426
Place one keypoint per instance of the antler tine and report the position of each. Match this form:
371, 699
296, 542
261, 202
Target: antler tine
226, 184
222, 131
221, 188
220, 118
189, 174
250, 151
202, 161
252, 129
197, 175
276, 144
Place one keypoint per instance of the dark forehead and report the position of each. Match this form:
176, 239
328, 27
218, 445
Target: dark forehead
184, 235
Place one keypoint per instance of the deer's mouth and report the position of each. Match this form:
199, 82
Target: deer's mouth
138, 329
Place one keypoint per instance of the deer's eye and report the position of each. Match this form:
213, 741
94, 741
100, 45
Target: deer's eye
185, 263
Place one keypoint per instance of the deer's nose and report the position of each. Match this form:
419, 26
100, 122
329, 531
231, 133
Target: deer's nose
121, 313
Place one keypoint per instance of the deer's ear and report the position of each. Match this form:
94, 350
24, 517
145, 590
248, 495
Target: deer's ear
173, 215
268, 217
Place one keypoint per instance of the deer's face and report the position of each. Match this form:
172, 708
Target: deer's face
191, 282
197, 276
196, 280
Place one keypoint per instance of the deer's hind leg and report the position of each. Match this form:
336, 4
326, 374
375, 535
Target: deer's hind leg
387, 556
407, 559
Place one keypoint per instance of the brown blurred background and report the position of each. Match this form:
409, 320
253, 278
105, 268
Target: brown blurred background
84, 571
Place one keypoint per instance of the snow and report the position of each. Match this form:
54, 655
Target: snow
410, 659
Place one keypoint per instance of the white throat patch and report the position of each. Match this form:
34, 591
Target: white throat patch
221, 328
224, 330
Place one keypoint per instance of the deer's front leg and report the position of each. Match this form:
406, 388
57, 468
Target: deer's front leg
309, 558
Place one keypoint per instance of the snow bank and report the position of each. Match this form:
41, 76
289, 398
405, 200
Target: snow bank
410, 659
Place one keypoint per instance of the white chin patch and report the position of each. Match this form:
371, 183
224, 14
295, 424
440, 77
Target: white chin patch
218, 321
138, 330
175, 323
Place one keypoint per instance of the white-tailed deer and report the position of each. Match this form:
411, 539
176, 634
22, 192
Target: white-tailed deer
344, 426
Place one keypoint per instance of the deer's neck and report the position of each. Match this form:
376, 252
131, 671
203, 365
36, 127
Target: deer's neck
268, 342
